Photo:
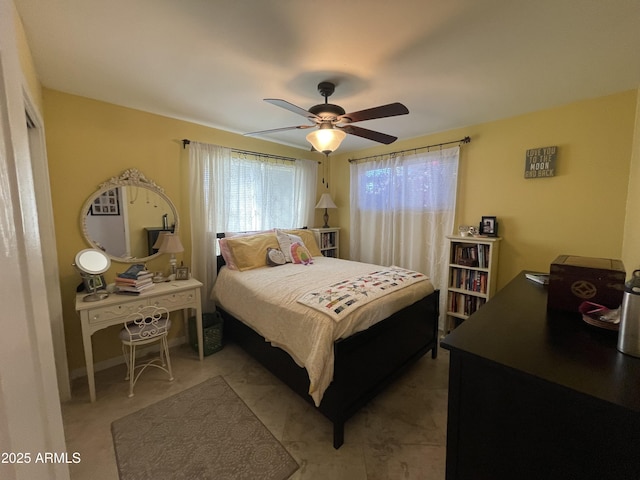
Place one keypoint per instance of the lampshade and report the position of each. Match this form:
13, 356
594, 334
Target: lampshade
159, 240
326, 139
170, 243
326, 202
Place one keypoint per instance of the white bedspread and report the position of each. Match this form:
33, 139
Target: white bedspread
266, 300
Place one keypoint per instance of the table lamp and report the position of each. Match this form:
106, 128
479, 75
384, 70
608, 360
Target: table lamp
326, 202
170, 243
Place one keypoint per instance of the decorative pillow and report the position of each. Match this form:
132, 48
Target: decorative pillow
275, 257
308, 240
285, 240
300, 254
249, 251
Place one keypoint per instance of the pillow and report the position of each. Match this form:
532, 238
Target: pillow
224, 248
285, 240
308, 240
300, 254
275, 257
226, 254
249, 251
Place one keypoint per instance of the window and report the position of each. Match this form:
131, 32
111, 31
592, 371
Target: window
409, 185
402, 208
259, 195
239, 191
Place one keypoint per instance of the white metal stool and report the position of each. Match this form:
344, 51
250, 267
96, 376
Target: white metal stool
149, 324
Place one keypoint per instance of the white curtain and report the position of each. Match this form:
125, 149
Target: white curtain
232, 191
304, 193
402, 208
206, 167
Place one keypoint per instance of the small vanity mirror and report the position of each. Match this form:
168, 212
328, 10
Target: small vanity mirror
126, 215
92, 263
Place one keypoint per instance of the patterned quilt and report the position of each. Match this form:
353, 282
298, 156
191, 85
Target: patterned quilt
341, 298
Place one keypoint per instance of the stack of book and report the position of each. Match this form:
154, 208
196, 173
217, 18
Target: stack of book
134, 281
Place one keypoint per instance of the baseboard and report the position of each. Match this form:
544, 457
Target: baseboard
112, 362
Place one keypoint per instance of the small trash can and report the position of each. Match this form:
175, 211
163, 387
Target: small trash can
212, 324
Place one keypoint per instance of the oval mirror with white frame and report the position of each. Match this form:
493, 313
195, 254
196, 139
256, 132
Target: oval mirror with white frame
124, 217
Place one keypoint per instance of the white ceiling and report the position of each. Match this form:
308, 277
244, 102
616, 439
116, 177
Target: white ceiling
453, 63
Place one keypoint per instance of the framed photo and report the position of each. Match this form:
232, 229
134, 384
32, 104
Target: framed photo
93, 283
182, 273
106, 204
489, 226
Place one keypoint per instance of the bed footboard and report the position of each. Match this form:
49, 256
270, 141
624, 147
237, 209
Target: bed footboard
365, 363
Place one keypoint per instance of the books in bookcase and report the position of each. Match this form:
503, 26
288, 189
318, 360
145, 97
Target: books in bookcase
464, 304
470, 280
476, 255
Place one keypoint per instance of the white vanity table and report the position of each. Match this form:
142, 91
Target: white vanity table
94, 316
112, 217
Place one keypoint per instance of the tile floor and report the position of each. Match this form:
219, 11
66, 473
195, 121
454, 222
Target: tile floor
399, 435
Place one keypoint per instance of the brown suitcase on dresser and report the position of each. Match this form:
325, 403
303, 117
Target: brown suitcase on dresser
574, 279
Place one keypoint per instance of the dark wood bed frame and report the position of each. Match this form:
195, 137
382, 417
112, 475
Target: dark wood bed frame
365, 363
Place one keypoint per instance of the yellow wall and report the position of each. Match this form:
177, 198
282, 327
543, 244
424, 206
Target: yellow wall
580, 211
88, 142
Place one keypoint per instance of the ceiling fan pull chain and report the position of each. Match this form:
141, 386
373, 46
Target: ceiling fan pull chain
327, 167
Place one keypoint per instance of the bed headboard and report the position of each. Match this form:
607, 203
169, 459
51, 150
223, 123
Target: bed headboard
219, 259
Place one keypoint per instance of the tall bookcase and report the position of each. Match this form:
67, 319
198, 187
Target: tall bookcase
328, 240
473, 269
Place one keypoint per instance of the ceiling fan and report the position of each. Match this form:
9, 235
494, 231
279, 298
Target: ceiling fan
333, 123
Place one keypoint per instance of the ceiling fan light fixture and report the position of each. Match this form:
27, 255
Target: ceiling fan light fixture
326, 139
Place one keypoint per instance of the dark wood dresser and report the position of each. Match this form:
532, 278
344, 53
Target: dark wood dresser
537, 394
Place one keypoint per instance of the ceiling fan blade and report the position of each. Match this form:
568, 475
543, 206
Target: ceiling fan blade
390, 110
291, 107
368, 134
282, 129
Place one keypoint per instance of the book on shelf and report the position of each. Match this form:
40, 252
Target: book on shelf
472, 255
471, 280
462, 304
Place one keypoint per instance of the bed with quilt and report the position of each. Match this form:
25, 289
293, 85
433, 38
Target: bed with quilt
335, 331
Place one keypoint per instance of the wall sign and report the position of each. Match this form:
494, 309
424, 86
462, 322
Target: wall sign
540, 162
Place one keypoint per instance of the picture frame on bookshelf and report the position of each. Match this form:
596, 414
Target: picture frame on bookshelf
489, 226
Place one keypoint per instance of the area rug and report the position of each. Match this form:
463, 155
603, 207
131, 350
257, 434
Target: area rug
204, 432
